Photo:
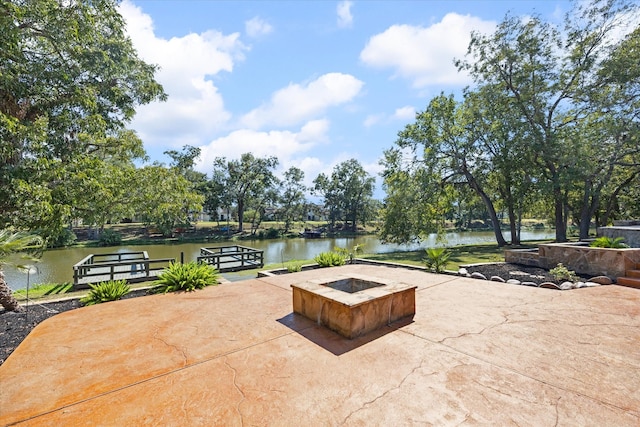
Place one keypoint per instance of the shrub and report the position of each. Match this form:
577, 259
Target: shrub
437, 259
560, 272
185, 277
65, 238
346, 253
106, 291
272, 233
609, 242
329, 259
109, 237
294, 268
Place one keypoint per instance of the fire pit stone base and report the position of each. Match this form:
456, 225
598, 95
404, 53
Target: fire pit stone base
355, 305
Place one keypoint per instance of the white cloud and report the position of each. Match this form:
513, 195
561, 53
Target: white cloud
345, 19
425, 55
285, 145
194, 106
373, 119
405, 113
256, 27
297, 103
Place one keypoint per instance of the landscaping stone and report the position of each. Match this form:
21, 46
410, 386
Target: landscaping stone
477, 275
514, 281
549, 285
534, 284
591, 284
497, 279
566, 286
603, 280
463, 272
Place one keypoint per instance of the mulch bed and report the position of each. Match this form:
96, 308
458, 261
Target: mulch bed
14, 327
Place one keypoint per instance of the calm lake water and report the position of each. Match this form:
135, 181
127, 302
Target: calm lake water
56, 266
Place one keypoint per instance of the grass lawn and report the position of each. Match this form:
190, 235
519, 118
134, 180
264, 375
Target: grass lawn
460, 255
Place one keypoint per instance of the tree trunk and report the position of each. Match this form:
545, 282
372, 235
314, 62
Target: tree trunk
489, 205
7, 300
560, 220
240, 214
513, 224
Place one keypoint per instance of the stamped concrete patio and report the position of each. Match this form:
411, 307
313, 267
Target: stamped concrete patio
476, 353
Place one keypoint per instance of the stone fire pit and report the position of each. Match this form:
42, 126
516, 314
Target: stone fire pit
355, 305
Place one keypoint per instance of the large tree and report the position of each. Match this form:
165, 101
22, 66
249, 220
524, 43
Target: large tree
541, 71
443, 148
347, 192
164, 198
243, 180
292, 197
70, 80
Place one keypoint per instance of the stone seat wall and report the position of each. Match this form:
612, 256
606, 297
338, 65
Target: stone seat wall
578, 257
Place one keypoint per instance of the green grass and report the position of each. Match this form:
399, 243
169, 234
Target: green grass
460, 255
47, 291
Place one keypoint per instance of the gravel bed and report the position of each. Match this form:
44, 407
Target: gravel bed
523, 273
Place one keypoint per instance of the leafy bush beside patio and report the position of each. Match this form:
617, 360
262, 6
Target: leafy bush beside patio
106, 291
186, 277
329, 259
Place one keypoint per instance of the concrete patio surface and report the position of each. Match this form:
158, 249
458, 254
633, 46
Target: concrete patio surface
476, 353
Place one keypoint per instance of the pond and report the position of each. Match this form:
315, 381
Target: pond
56, 266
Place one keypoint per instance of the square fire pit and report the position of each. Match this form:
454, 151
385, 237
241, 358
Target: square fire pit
355, 305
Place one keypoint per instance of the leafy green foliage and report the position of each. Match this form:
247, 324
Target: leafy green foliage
294, 268
348, 253
329, 259
347, 193
164, 198
186, 277
247, 182
71, 80
64, 239
109, 237
560, 272
437, 259
609, 242
106, 291
270, 233
540, 124
292, 198
19, 242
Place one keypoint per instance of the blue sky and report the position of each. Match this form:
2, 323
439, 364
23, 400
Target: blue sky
314, 83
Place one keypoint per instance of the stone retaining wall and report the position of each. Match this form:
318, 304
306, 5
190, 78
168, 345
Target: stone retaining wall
630, 233
522, 256
578, 257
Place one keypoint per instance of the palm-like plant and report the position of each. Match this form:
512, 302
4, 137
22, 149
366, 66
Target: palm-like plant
14, 243
437, 259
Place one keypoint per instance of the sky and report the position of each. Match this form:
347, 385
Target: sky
314, 83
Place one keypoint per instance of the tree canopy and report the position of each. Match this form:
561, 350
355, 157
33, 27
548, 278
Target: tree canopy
552, 116
70, 81
244, 181
347, 193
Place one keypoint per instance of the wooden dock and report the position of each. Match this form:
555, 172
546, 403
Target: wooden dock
232, 258
131, 266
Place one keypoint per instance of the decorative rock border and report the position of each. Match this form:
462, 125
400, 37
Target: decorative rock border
592, 282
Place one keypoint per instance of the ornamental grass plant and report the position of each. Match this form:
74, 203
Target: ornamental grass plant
186, 277
106, 291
